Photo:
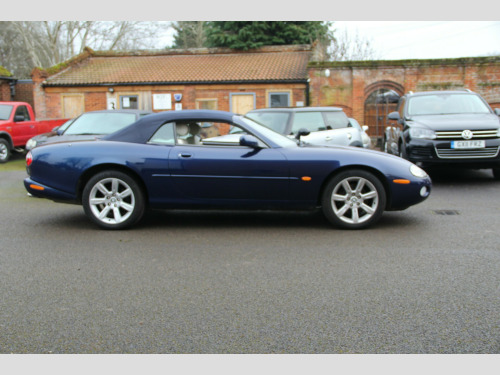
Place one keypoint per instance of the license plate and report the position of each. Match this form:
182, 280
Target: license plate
468, 144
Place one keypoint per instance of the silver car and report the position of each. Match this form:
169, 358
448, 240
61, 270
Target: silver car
326, 125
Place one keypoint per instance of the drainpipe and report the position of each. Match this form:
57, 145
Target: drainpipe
307, 92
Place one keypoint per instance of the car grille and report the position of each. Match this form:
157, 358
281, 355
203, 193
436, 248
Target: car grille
476, 134
448, 153
418, 151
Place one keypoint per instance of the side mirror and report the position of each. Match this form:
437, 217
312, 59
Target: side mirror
302, 132
249, 141
365, 128
18, 118
394, 116
497, 111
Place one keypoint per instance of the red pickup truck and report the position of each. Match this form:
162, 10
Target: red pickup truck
17, 125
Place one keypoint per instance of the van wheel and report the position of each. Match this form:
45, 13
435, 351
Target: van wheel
354, 199
4, 151
113, 200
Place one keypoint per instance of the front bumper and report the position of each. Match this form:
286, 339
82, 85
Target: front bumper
439, 152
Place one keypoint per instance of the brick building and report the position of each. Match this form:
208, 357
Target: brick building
174, 79
358, 86
12, 89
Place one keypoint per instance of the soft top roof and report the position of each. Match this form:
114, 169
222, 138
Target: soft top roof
142, 130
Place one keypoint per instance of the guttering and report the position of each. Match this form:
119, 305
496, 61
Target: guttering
185, 83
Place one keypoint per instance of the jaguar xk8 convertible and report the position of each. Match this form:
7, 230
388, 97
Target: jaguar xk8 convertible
214, 159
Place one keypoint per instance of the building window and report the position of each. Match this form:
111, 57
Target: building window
129, 102
206, 104
279, 99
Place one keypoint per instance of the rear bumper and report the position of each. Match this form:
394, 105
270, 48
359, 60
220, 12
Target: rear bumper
35, 189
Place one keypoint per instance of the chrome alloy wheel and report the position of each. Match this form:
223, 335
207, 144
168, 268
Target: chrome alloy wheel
112, 201
354, 200
4, 152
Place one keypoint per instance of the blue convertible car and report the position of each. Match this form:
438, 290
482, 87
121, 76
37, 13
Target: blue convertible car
200, 158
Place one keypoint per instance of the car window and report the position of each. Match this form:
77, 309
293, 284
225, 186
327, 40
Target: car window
446, 104
312, 121
273, 120
164, 135
23, 111
336, 120
100, 123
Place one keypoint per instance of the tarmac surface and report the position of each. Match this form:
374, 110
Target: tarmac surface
424, 280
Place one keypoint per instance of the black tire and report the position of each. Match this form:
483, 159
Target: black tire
113, 200
496, 173
358, 206
402, 150
5, 151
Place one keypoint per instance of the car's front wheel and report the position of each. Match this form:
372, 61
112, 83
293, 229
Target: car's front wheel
496, 173
113, 200
354, 199
4, 151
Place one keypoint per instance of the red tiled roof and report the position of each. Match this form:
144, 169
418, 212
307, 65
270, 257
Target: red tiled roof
205, 65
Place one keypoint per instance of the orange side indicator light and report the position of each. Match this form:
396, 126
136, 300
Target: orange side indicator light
306, 178
36, 187
401, 181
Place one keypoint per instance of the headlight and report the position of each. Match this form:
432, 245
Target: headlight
417, 171
30, 144
422, 133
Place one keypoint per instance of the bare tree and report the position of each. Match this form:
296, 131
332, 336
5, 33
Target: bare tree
47, 43
351, 47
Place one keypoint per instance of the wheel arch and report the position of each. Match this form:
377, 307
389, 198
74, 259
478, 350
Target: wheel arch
374, 171
8, 138
87, 175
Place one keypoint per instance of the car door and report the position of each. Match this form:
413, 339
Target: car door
229, 173
320, 132
25, 129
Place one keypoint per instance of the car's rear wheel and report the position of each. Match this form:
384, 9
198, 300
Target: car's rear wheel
354, 199
113, 200
4, 151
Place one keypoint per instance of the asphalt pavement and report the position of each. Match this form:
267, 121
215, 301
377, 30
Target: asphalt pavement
424, 280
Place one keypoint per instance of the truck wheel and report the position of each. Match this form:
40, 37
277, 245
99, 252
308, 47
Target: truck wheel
354, 199
4, 151
113, 200
496, 173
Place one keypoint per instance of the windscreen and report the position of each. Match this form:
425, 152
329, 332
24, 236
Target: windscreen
276, 121
446, 104
5, 111
100, 123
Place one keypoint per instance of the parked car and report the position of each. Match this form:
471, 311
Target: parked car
365, 138
17, 125
455, 128
89, 125
146, 165
327, 125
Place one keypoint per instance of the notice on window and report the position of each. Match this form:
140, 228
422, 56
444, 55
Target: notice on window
162, 101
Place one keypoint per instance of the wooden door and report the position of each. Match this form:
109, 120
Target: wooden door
242, 103
72, 106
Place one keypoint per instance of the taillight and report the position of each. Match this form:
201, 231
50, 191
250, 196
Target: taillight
29, 159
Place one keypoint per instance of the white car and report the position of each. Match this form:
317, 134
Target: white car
326, 125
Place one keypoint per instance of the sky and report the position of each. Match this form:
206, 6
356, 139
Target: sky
422, 29
394, 40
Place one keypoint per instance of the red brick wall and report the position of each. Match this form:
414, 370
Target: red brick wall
350, 84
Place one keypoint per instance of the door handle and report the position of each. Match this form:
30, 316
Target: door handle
328, 138
185, 155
